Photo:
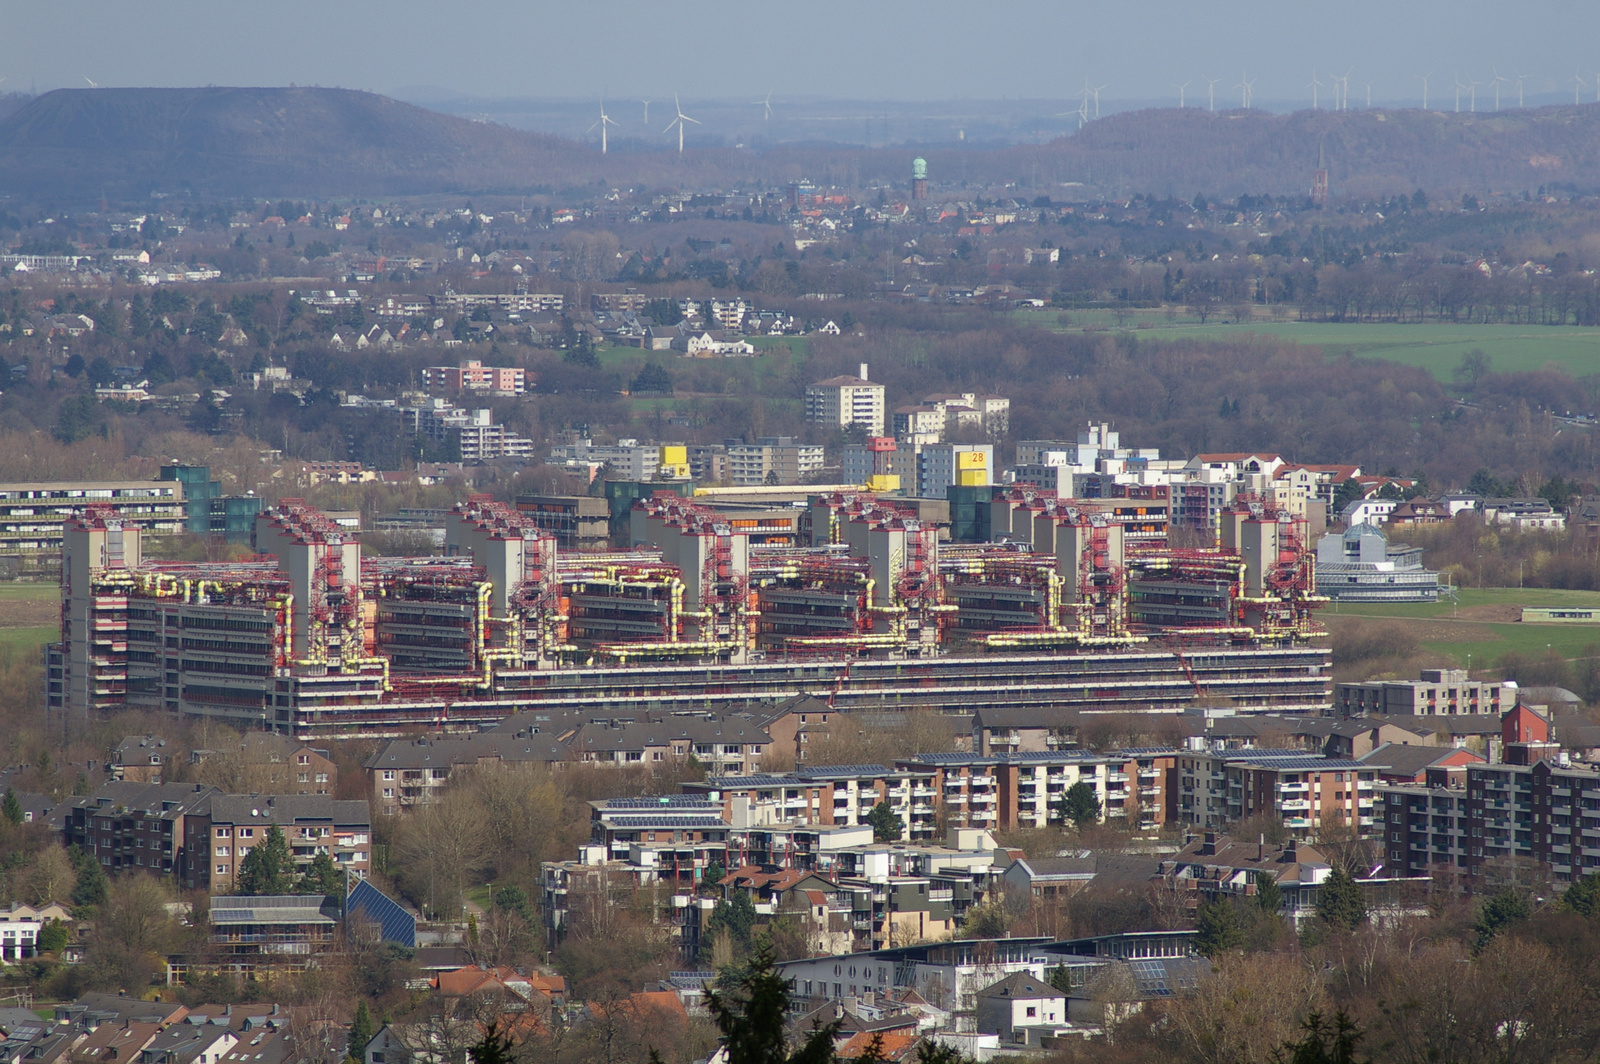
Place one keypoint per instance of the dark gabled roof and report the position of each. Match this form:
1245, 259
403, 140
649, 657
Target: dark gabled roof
1020, 985
1412, 760
285, 809
148, 798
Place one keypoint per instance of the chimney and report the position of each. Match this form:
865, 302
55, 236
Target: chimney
1208, 844
863, 371
1261, 847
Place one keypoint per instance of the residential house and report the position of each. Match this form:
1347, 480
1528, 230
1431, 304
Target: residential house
223, 828
1017, 1002
140, 759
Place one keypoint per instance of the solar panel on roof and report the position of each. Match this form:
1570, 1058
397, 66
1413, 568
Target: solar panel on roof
668, 822
667, 800
1151, 977
840, 770
370, 903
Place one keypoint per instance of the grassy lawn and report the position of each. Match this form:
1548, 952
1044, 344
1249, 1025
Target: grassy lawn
1482, 627
1435, 347
21, 641
28, 593
1471, 597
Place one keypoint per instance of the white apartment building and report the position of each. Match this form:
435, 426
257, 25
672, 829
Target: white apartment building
841, 402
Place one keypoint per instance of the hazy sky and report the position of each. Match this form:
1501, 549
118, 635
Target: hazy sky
880, 49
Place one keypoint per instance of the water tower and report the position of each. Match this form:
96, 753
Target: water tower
919, 178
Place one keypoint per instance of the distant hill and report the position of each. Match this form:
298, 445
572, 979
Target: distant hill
125, 143
1367, 152
81, 144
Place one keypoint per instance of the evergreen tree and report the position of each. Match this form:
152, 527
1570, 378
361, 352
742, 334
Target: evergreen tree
269, 867
873, 1054
1340, 903
931, 1052
1217, 929
493, 1048
1080, 805
514, 899
1268, 894
11, 807
886, 823
652, 378
1324, 1042
736, 915
753, 1020
1583, 896
1061, 979
1498, 913
361, 1031
322, 877
90, 887
53, 937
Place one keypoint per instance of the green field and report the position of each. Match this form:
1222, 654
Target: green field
1434, 347
27, 593
1479, 629
15, 641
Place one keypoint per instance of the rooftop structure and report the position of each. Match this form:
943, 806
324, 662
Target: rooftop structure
866, 608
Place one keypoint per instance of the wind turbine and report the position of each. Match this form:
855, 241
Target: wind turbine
1497, 80
1246, 89
646, 111
767, 104
1472, 96
604, 121
1344, 89
1096, 91
1520, 79
92, 83
1211, 93
1181, 89
1577, 87
1369, 95
1315, 85
1459, 87
679, 121
1424, 79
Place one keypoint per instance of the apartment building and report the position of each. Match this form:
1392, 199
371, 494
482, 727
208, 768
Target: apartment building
1540, 812
772, 460
33, 518
471, 375
1439, 693
136, 825
473, 432
1218, 788
223, 828
411, 772
826, 796
1024, 789
843, 402
1535, 806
